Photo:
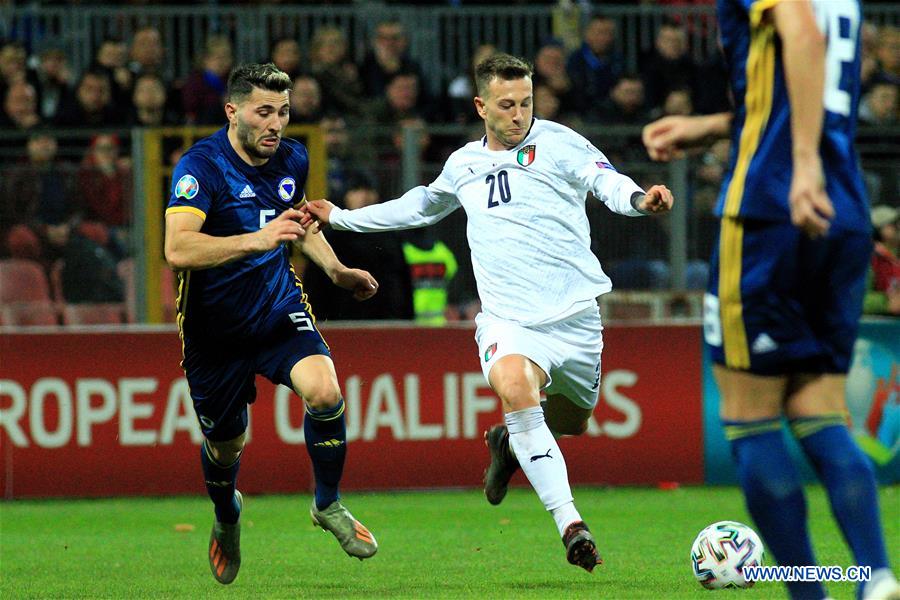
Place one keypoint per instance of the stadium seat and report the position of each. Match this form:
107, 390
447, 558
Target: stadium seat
22, 280
37, 312
125, 269
93, 314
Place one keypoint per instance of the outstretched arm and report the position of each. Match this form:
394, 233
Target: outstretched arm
416, 208
316, 247
667, 138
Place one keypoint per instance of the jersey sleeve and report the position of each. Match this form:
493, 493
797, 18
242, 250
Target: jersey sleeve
585, 166
420, 206
194, 182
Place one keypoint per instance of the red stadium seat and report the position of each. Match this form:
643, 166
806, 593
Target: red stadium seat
38, 312
22, 280
168, 287
93, 314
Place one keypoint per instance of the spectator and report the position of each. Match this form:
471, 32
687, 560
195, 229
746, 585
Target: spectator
888, 55
149, 103
387, 57
678, 102
883, 282
462, 88
203, 93
868, 34
34, 193
89, 271
550, 70
668, 66
595, 67
285, 54
342, 88
13, 66
625, 105
104, 186
112, 58
879, 106
546, 102
346, 163
306, 100
20, 106
147, 52
92, 105
54, 81
400, 100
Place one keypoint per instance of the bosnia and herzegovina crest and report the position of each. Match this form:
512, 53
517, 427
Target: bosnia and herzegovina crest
526, 155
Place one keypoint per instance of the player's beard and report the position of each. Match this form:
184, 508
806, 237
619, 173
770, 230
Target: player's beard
249, 142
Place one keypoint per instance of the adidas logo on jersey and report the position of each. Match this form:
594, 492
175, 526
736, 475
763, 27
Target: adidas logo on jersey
763, 343
248, 192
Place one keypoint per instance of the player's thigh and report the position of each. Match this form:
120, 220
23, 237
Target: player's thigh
222, 384
315, 380
815, 394
576, 375
744, 396
294, 353
518, 381
564, 416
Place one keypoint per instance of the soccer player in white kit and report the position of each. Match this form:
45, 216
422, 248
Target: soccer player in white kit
523, 187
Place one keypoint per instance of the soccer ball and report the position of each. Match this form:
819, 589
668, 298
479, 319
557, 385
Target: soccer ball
720, 553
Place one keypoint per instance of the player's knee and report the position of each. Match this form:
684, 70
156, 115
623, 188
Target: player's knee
322, 396
228, 451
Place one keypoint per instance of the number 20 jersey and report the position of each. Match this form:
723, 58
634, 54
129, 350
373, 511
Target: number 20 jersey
758, 183
233, 198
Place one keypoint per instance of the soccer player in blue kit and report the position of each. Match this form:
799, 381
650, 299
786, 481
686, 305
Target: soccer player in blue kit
242, 310
785, 294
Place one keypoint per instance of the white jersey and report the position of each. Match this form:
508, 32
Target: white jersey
527, 226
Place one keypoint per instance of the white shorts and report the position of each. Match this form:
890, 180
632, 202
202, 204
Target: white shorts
568, 351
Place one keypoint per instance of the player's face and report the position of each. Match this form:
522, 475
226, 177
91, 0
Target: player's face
506, 109
259, 122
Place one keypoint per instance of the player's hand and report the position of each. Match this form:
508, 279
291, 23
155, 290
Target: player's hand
811, 209
665, 139
283, 228
658, 199
360, 282
317, 211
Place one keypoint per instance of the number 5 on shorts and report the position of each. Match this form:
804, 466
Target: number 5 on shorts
302, 321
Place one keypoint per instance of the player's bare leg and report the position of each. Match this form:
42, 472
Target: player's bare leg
816, 406
324, 427
518, 380
225, 538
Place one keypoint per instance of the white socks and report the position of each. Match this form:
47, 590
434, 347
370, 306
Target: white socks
539, 456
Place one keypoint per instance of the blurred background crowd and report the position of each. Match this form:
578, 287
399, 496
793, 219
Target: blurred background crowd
68, 169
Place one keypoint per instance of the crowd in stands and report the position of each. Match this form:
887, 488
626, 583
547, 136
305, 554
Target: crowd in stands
85, 185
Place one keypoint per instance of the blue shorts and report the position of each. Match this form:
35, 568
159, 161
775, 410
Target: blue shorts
779, 302
221, 375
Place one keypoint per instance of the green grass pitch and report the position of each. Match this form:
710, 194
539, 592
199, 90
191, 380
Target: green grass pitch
448, 544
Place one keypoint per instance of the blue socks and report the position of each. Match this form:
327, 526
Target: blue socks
849, 479
220, 482
326, 442
774, 496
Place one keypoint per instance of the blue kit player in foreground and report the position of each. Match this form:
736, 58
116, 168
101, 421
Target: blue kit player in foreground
242, 310
786, 290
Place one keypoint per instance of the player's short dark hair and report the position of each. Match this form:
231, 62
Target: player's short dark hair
265, 76
500, 66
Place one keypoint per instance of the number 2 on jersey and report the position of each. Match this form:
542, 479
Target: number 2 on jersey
501, 182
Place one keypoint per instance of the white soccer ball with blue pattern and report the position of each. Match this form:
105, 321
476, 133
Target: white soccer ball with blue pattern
720, 553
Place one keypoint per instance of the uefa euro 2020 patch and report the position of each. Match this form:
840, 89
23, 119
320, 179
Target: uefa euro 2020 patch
187, 187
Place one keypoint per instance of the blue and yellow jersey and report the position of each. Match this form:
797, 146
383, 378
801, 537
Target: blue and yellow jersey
233, 198
758, 182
